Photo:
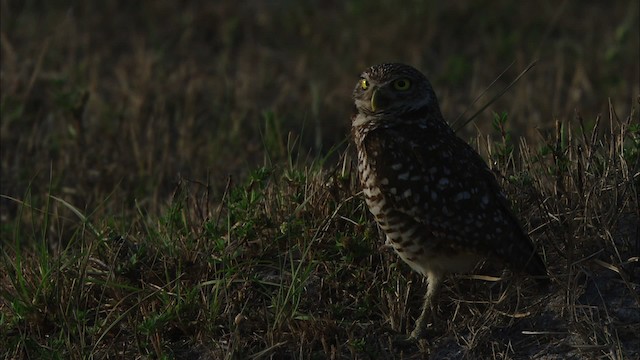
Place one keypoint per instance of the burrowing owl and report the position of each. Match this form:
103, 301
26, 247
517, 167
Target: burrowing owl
434, 197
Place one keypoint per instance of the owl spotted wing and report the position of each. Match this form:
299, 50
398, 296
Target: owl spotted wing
441, 183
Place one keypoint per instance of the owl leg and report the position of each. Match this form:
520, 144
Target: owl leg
428, 307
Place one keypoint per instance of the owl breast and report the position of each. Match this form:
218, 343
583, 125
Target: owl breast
412, 239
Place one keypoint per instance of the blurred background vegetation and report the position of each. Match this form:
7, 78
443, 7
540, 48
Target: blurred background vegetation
115, 99
108, 108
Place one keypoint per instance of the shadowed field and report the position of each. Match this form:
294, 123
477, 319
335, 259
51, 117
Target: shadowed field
177, 180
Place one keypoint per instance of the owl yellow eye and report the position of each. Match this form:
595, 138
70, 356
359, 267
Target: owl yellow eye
364, 84
402, 84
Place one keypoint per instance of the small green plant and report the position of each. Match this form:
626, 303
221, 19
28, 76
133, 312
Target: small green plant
504, 149
632, 147
185, 188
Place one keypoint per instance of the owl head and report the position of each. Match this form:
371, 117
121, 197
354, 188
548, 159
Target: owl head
393, 89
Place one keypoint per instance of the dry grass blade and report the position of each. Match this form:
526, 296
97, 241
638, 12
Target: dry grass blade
80, 215
455, 122
162, 197
496, 97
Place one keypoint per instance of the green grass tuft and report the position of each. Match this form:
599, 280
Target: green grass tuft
177, 180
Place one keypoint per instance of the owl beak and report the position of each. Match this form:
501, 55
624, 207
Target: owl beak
373, 99
379, 100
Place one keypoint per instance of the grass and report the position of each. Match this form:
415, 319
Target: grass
176, 181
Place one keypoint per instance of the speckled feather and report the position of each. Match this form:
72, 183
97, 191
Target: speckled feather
431, 193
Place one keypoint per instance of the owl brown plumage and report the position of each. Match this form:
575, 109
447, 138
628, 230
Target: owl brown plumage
434, 197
